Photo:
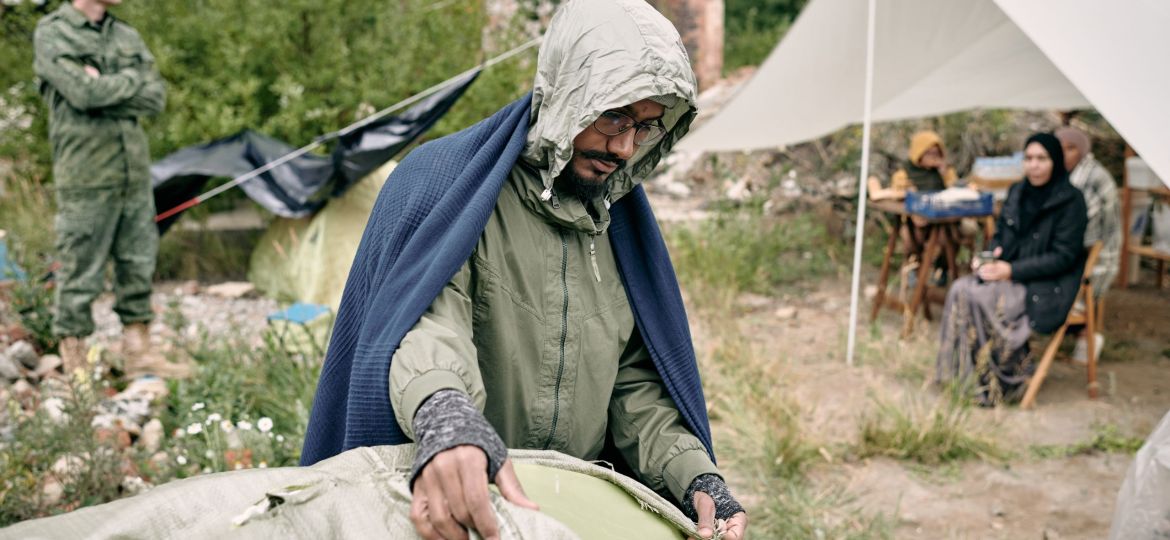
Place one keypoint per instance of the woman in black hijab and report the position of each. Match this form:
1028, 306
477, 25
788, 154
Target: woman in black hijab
1029, 287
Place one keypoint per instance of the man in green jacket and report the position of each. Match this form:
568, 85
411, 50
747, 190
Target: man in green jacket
98, 79
533, 343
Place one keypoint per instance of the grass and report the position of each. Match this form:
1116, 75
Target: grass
1106, 439
928, 433
745, 250
797, 510
758, 427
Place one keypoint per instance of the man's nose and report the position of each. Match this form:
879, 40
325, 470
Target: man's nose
622, 144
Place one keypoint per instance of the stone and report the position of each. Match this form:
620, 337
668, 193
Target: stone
149, 388
870, 291
24, 353
68, 466
187, 288
786, 312
54, 407
9, 368
51, 492
47, 365
22, 389
152, 435
753, 301
160, 460
232, 289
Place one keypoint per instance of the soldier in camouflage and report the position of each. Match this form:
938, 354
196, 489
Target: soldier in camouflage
98, 79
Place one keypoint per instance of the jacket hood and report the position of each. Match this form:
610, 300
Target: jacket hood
599, 55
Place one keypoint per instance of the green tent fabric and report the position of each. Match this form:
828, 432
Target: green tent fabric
308, 259
363, 493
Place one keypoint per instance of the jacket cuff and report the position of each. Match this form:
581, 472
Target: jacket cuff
682, 469
418, 390
449, 419
725, 505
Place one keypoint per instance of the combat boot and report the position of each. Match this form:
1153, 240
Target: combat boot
142, 359
73, 353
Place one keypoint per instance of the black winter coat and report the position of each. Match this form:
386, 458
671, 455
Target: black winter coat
1049, 256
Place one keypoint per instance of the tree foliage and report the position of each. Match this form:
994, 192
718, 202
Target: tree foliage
292, 69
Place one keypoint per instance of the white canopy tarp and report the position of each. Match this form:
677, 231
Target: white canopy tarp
940, 56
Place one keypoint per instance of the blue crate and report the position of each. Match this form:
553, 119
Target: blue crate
924, 204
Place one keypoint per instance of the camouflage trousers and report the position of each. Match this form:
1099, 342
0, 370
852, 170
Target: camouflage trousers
95, 226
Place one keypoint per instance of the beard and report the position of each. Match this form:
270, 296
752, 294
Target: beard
586, 188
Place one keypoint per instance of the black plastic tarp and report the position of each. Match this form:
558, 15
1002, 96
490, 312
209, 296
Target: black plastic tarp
304, 184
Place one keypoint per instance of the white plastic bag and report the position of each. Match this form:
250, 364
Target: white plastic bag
1143, 504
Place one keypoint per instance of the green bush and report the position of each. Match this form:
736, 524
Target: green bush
293, 70
754, 27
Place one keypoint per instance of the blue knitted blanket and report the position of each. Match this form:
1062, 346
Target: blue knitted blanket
425, 224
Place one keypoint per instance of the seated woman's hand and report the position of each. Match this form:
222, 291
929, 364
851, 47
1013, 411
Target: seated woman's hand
995, 271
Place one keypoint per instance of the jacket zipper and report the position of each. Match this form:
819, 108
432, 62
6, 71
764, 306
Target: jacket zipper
593, 256
564, 335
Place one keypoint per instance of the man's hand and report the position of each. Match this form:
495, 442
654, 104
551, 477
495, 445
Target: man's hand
451, 495
734, 528
995, 271
92, 71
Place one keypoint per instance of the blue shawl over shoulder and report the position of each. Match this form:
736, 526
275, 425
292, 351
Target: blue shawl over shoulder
424, 226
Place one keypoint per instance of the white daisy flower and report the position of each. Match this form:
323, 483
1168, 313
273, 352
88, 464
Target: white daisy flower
244, 425
195, 429
198, 406
264, 424
182, 460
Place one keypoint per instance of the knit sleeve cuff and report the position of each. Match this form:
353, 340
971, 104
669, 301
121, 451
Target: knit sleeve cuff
714, 486
448, 419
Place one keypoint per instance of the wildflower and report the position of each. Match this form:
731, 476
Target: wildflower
182, 460
198, 406
244, 425
209, 454
226, 425
263, 465
207, 470
239, 466
264, 424
195, 429
213, 418
280, 438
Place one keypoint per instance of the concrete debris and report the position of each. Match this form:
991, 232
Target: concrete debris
232, 289
24, 353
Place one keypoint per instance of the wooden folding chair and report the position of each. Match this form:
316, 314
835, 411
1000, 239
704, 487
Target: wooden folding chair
1086, 314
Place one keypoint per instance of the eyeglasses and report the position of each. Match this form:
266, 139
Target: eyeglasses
614, 123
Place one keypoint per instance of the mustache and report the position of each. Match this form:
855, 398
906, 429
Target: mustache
604, 156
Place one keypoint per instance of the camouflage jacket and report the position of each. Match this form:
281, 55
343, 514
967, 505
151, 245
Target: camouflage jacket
93, 121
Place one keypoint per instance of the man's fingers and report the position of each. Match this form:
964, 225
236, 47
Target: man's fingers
705, 507
450, 480
479, 503
437, 513
418, 516
444, 523
510, 487
736, 527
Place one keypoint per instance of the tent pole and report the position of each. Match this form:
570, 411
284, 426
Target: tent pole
858, 236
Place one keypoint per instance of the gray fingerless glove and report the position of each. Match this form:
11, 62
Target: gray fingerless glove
448, 419
725, 505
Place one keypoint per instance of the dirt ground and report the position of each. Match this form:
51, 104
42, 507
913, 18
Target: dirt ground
1022, 496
